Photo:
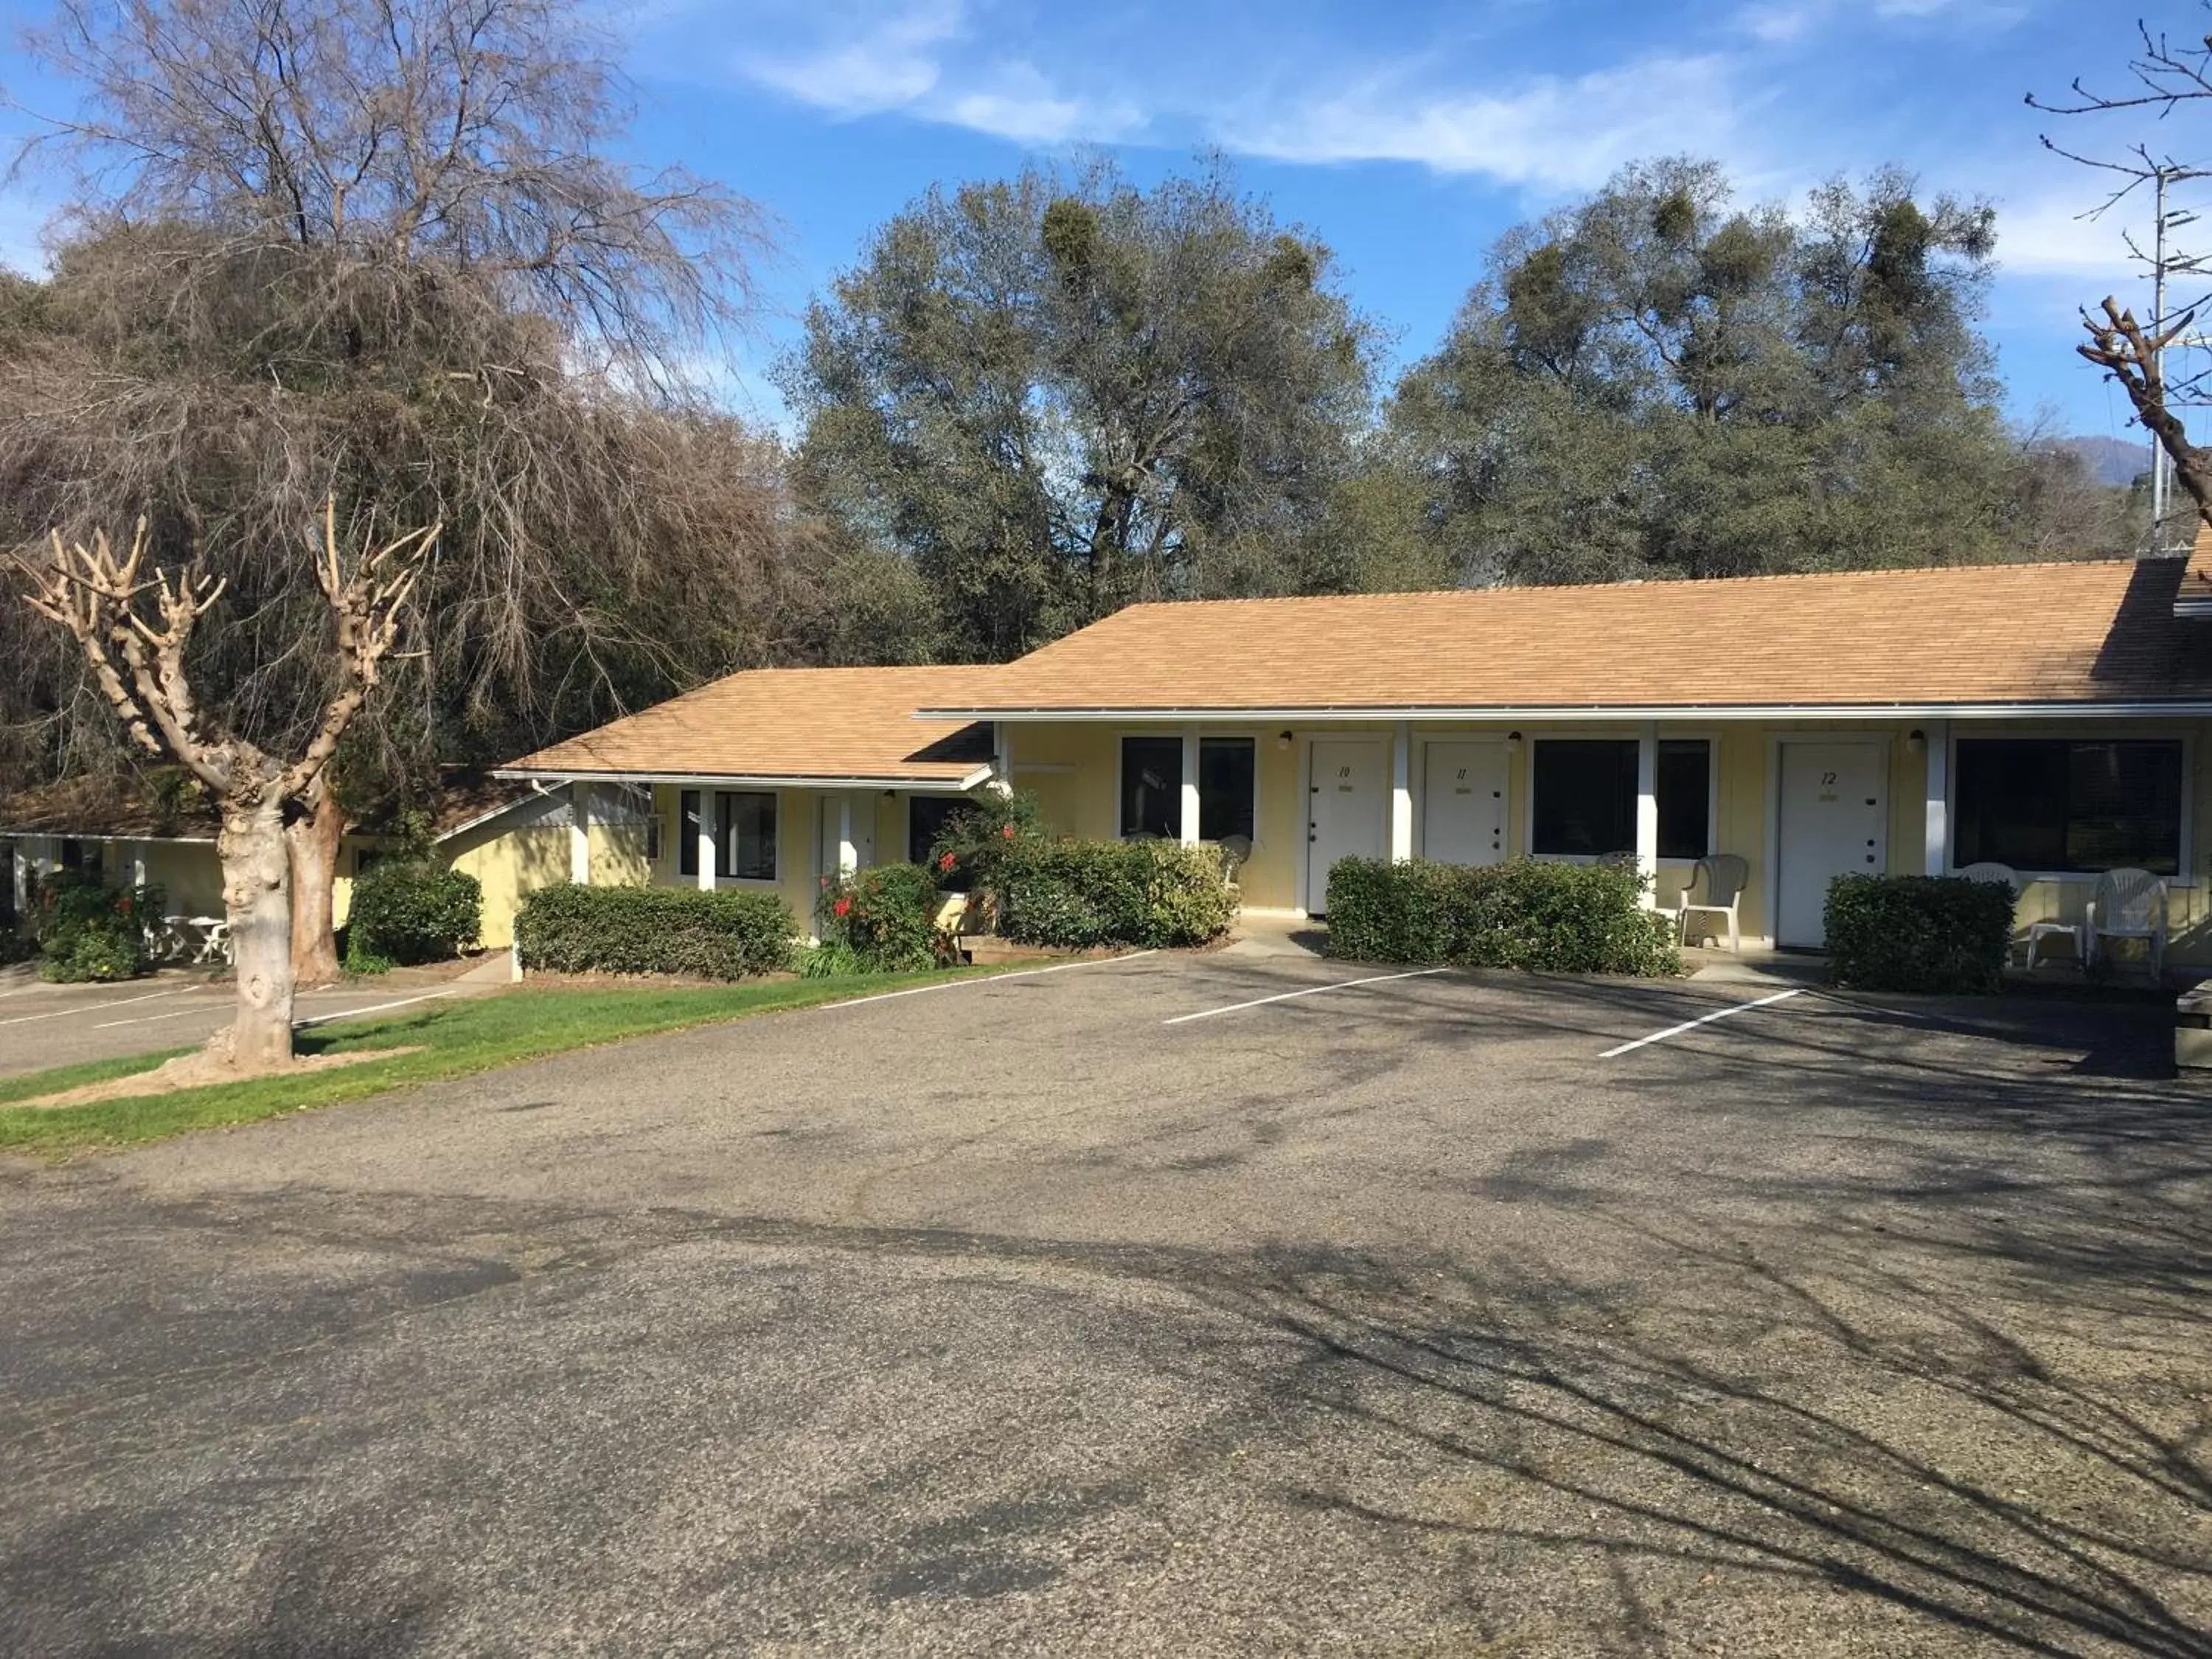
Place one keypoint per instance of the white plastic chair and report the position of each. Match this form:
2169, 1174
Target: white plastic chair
1724, 875
1990, 869
2129, 904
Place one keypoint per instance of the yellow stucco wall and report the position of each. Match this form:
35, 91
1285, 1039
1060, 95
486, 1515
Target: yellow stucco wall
1073, 768
188, 872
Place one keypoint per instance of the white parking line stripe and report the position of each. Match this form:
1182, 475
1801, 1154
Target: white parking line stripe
121, 1002
150, 1019
373, 1008
1702, 1020
1310, 991
985, 979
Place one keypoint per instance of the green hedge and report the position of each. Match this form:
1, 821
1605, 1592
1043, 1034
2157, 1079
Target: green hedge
1077, 893
87, 930
882, 919
404, 912
567, 929
1543, 917
1935, 933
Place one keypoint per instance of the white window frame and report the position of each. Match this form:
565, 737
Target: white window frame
1205, 738
1711, 739
757, 884
1121, 762
1205, 734
2185, 854
1618, 734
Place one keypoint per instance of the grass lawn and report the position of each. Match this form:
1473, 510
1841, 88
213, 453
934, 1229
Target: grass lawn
454, 1038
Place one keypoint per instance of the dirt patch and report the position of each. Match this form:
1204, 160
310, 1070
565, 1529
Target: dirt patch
201, 1072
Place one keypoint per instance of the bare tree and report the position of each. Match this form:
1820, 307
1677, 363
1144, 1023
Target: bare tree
2166, 76
375, 249
139, 664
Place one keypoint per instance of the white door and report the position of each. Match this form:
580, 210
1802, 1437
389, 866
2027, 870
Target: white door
1834, 822
1463, 803
1351, 812
863, 832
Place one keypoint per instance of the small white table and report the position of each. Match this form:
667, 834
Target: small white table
2039, 931
203, 939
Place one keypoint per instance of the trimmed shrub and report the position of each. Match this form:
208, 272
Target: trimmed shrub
884, 918
1933, 933
1077, 893
405, 912
1539, 916
567, 929
970, 853
87, 930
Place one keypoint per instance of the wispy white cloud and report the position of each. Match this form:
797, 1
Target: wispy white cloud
1547, 132
885, 63
916, 60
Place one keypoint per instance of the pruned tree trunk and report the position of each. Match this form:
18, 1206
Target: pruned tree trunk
141, 671
312, 841
257, 898
2132, 355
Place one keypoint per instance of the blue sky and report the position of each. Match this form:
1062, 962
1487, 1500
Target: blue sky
1406, 135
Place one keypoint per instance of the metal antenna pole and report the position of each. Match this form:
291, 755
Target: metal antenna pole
2158, 329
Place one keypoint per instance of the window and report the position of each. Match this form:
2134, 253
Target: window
1585, 805
2068, 805
1585, 799
926, 818
1152, 789
1686, 797
744, 836
687, 846
1227, 769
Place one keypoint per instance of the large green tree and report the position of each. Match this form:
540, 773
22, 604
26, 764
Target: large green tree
1053, 396
1659, 381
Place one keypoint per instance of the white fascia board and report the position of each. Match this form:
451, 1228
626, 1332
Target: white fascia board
1535, 711
762, 780
501, 810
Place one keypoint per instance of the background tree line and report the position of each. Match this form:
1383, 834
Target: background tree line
376, 251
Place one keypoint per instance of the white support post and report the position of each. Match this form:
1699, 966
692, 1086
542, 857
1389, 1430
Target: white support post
579, 834
22, 860
705, 841
1002, 754
1647, 810
1401, 793
137, 864
1190, 786
849, 854
1937, 836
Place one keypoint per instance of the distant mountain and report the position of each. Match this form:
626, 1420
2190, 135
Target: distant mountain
2112, 460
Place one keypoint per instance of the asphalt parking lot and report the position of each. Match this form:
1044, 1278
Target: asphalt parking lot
1181, 1305
43, 1025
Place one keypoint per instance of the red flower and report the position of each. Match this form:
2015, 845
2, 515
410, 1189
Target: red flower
1007, 831
842, 907
945, 863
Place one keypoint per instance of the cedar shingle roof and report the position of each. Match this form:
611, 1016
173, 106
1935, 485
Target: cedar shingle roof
830, 724
2101, 632
121, 807
109, 806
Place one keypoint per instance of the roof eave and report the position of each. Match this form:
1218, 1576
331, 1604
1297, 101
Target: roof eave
758, 779
2065, 709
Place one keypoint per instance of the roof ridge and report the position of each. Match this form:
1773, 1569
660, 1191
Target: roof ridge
1666, 583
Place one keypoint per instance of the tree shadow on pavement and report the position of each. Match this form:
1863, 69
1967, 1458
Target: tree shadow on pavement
1978, 1390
